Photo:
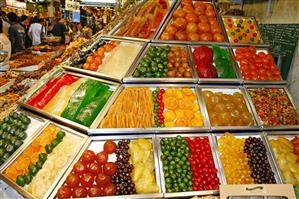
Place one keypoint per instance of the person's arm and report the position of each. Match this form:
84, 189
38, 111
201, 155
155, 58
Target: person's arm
30, 32
12, 38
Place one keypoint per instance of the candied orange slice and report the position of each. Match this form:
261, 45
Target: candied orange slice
170, 103
179, 113
179, 94
169, 124
169, 115
187, 91
181, 123
196, 122
195, 108
186, 104
188, 114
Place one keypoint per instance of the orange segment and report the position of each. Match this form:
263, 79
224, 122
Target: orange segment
170, 103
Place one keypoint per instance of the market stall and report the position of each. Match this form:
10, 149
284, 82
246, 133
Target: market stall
174, 101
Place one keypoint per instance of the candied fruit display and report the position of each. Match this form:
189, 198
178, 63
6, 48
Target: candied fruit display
256, 64
193, 21
234, 160
242, 30
227, 109
273, 106
245, 160
285, 153
188, 164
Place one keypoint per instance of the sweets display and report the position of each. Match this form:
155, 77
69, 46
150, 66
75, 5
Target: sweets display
256, 64
205, 58
148, 108
164, 61
146, 20
185, 167
273, 106
98, 173
113, 58
286, 154
193, 21
245, 160
40, 163
76, 99
242, 30
3, 81
12, 134
28, 59
227, 109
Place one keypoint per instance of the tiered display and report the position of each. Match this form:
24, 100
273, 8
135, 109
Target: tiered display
232, 95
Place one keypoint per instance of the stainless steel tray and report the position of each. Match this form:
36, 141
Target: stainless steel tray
191, 193
22, 190
169, 20
274, 135
58, 72
114, 131
94, 142
237, 80
259, 122
230, 90
130, 79
69, 65
137, 7
233, 52
244, 134
262, 44
34, 127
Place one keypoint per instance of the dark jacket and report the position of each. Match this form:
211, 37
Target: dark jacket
17, 37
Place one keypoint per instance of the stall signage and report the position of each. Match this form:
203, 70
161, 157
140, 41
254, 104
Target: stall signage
99, 3
72, 5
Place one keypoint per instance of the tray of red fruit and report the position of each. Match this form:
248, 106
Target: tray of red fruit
114, 166
257, 66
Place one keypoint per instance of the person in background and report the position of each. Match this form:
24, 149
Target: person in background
36, 31
5, 23
16, 34
74, 32
59, 29
25, 22
4, 43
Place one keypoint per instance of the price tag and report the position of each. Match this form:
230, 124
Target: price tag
285, 190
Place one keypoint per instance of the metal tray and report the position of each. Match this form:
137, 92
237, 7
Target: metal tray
34, 127
274, 135
22, 190
244, 134
233, 52
96, 143
169, 20
114, 131
237, 80
130, 79
69, 65
230, 90
259, 122
242, 44
137, 7
191, 193
58, 72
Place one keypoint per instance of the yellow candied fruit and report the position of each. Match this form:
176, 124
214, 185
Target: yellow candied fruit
234, 160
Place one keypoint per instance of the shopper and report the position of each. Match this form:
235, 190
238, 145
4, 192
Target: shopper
16, 34
36, 32
25, 22
5, 44
59, 29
